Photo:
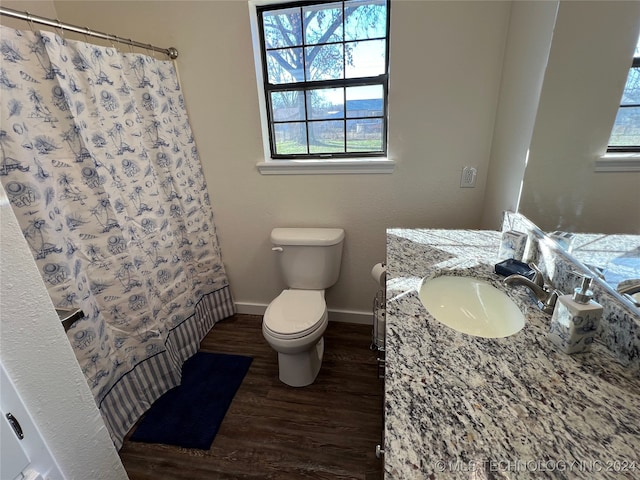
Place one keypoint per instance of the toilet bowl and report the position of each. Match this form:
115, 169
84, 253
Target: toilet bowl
293, 325
294, 322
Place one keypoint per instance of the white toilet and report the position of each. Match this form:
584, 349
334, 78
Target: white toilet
295, 320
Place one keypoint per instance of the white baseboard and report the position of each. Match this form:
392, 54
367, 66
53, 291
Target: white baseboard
345, 316
250, 308
349, 316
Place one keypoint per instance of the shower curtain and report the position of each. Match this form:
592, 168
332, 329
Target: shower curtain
102, 171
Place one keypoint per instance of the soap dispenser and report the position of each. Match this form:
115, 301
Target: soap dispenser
575, 320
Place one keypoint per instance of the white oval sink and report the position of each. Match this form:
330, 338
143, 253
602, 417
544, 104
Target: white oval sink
470, 305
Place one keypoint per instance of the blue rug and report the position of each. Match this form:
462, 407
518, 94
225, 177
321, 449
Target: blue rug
190, 414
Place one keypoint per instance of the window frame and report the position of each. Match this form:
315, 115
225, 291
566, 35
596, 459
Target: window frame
629, 149
348, 159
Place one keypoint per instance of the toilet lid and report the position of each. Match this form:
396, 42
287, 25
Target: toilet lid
295, 312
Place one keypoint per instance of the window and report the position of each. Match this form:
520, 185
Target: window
324, 70
625, 136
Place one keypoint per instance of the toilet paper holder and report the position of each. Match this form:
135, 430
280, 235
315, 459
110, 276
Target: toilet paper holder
379, 274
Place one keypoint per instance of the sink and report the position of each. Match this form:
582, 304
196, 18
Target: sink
471, 305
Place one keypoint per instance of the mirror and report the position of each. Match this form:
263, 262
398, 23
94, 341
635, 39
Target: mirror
586, 68
615, 259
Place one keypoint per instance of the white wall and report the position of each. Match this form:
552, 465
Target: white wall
590, 56
44, 8
444, 79
38, 357
531, 26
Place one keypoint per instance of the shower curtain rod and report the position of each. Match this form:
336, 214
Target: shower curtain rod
170, 52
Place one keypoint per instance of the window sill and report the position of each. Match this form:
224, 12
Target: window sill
618, 162
326, 167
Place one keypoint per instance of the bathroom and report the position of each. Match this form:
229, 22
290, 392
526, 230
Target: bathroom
448, 108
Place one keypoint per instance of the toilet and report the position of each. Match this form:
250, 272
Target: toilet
294, 322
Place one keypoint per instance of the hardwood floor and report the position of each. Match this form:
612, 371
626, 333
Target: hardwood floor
327, 430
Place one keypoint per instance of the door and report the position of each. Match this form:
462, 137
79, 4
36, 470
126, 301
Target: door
27, 457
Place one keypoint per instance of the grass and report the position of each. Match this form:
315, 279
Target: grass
330, 146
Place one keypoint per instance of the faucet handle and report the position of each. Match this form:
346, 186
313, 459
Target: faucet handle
538, 278
550, 302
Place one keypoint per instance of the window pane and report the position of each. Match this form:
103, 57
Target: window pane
325, 103
626, 129
287, 106
326, 77
285, 66
365, 59
291, 138
364, 135
365, 19
322, 23
631, 95
326, 137
282, 28
365, 101
324, 62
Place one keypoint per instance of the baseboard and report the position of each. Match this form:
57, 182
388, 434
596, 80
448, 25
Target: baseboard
345, 316
349, 316
250, 308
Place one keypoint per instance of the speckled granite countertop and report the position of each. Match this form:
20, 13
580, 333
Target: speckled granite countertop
458, 406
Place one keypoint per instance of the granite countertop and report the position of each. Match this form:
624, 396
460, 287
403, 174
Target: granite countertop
459, 406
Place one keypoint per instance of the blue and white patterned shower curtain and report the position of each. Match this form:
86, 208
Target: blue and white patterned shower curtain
102, 171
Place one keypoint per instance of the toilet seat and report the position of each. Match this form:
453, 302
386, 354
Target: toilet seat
295, 313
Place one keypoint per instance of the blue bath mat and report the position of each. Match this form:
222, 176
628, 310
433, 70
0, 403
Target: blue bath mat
190, 414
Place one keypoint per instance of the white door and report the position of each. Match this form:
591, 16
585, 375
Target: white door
14, 458
26, 458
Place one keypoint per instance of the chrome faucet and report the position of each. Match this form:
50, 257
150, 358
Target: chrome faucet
627, 291
546, 296
630, 289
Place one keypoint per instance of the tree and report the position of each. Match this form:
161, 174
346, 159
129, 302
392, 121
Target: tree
320, 24
314, 43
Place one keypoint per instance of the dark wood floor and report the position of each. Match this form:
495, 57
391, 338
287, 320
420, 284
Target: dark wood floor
327, 430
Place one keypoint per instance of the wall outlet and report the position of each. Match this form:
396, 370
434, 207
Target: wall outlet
468, 178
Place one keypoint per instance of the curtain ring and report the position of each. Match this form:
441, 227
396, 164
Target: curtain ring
131, 46
61, 28
30, 21
86, 32
153, 52
117, 39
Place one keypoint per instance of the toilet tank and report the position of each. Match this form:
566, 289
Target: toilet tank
309, 258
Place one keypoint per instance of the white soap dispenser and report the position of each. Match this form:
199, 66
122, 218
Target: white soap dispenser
575, 320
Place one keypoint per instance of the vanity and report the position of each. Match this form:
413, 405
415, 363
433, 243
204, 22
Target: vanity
464, 406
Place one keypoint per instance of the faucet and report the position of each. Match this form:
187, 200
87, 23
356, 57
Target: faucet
627, 291
630, 289
546, 296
